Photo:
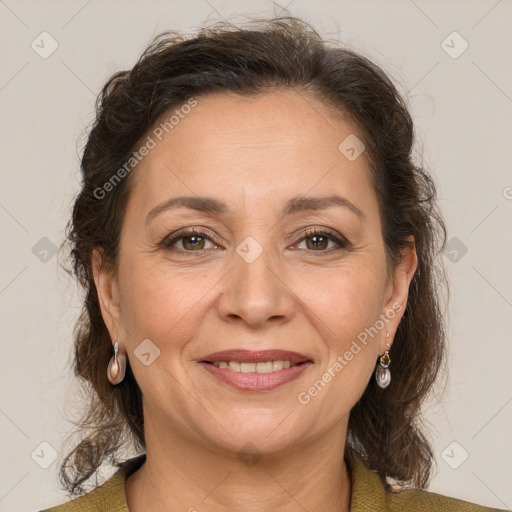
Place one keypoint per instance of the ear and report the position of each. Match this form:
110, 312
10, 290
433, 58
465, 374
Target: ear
397, 291
108, 294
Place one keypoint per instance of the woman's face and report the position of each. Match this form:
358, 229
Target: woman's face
251, 279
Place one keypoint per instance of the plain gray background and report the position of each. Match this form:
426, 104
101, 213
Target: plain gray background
461, 101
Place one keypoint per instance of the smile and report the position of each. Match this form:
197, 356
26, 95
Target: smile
262, 367
255, 371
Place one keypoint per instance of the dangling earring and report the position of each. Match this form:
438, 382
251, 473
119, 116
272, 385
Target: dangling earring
382, 373
116, 366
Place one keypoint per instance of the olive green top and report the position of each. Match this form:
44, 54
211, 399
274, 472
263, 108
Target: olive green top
368, 495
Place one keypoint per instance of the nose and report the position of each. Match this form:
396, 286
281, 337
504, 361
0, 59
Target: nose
256, 293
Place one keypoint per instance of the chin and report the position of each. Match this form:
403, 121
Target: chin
256, 432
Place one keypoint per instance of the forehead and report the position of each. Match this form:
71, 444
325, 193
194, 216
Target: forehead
280, 143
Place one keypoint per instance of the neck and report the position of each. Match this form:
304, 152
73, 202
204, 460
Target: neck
180, 474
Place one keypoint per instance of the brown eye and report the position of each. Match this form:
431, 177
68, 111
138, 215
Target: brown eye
192, 242
187, 241
318, 241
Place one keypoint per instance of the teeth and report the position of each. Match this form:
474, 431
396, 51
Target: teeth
277, 365
262, 367
247, 367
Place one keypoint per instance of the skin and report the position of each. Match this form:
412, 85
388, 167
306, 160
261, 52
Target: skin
254, 154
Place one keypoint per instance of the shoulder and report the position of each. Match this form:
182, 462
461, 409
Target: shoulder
411, 501
108, 497
103, 498
370, 495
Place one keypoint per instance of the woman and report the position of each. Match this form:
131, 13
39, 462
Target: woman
259, 254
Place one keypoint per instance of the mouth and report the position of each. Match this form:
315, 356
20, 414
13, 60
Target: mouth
260, 367
256, 371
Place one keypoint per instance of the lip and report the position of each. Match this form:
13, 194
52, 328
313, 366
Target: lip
256, 381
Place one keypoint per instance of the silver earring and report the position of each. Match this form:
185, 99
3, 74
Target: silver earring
382, 373
116, 366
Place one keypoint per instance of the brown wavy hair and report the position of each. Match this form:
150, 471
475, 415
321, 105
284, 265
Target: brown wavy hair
282, 52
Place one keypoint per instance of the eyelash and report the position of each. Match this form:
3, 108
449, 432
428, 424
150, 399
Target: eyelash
168, 242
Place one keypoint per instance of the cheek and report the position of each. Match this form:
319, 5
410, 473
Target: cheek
158, 303
347, 299
348, 305
349, 309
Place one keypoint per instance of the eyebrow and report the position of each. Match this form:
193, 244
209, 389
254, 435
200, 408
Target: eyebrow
212, 206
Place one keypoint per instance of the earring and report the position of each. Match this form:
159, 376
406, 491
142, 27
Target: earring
116, 366
382, 373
